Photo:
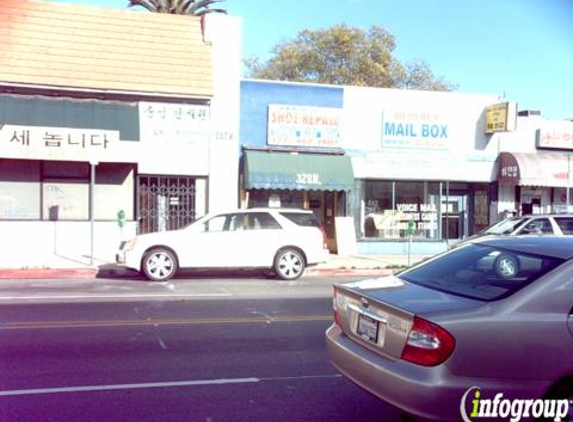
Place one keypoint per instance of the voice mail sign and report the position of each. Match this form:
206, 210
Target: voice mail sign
414, 130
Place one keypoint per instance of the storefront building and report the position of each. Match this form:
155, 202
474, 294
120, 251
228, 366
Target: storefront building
535, 167
423, 166
292, 152
104, 133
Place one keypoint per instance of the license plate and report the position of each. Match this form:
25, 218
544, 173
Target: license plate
367, 328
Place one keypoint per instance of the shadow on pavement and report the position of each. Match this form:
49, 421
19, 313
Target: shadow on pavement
112, 271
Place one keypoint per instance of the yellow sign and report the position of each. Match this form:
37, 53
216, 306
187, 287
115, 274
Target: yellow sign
500, 117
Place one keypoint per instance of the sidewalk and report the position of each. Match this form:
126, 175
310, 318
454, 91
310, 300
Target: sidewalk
337, 266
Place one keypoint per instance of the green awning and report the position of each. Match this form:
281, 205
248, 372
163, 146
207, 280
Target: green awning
277, 170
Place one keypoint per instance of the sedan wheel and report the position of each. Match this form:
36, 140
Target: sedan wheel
289, 264
159, 264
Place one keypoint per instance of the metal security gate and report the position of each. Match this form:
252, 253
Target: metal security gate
164, 203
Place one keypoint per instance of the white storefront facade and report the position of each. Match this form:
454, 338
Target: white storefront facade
88, 164
423, 167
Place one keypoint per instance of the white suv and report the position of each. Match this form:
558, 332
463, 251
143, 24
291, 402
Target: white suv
285, 240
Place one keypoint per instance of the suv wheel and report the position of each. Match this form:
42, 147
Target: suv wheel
159, 264
289, 264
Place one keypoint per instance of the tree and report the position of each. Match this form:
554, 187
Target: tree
343, 55
178, 7
418, 75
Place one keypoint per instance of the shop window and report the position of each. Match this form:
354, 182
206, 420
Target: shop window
65, 190
60, 190
279, 198
65, 200
394, 209
19, 189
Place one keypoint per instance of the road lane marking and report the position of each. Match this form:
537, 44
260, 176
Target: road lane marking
164, 322
169, 384
84, 388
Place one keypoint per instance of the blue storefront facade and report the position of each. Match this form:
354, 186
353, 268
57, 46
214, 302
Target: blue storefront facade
292, 154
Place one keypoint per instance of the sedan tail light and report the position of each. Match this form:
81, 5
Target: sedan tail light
428, 344
335, 307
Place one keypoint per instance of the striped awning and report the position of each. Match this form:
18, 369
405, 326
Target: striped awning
550, 170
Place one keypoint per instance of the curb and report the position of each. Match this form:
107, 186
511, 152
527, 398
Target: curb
47, 273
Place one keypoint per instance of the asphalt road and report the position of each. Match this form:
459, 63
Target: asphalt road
234, 358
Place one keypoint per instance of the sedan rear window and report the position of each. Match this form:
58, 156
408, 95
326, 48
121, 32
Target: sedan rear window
302, 219
481, 272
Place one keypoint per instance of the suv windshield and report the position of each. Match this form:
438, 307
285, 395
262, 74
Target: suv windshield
505, 226
481, 272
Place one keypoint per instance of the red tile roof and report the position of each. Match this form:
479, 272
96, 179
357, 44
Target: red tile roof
62, 45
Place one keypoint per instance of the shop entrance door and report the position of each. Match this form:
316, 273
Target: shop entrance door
454, 216
164, 203
324, 206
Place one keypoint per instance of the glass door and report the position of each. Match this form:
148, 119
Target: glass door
454, 216
323, 205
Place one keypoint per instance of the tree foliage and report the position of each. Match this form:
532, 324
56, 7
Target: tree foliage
178, 7
343, 55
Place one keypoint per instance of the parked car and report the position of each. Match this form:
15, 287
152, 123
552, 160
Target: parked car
533, 224
285, 240
557, 224
492, 316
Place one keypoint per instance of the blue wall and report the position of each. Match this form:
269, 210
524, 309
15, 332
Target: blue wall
257, 95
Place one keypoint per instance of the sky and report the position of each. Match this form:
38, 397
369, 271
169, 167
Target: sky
520, 49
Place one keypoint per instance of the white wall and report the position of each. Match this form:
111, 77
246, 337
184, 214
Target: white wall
224, 32
59, 244
461, 151
522, 140
462, 113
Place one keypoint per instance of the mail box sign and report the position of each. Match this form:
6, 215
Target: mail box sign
556, 136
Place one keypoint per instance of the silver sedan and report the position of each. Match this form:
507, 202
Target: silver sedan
481, 332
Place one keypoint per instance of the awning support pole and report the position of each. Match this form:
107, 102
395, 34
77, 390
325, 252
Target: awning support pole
93, 165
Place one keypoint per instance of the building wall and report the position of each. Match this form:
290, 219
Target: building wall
59, 244
224, 34
409, 134
182, 122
